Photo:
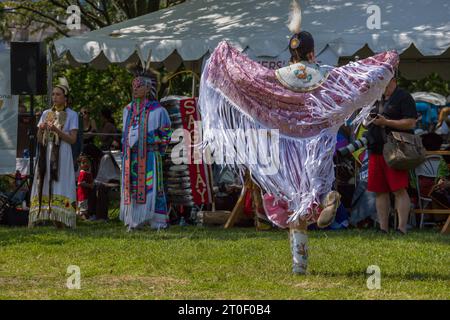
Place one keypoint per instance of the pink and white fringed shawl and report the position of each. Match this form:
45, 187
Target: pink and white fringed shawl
238, 93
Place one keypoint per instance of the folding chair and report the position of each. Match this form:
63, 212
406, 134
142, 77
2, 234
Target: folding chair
108, 179
427, 169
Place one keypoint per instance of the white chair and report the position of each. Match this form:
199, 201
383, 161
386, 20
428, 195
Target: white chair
108, 179
427, 169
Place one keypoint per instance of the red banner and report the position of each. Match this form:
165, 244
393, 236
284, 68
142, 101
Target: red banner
198, 170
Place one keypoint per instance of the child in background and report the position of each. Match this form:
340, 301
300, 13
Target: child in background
84, 186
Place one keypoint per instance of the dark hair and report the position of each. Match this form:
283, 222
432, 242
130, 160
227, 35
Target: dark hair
300, 45
66, 94
107, 114
84, 156
432, 141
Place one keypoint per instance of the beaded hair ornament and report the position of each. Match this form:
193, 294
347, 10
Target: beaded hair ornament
145, 76
294, 24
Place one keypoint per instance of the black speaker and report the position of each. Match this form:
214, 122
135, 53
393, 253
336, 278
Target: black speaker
28, 68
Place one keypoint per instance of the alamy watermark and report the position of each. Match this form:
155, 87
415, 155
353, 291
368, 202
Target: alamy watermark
374, 20
374, 279
73, 22
259, 147
74, 280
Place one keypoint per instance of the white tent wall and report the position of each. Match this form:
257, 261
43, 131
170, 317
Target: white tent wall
8, 117
416, 66
191, 30
3, 45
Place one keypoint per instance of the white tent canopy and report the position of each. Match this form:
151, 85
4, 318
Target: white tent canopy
194, 28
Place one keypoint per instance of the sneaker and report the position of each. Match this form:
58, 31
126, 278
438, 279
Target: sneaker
330, 205
159, 226
183, 222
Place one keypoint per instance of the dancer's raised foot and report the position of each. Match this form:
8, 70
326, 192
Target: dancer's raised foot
330, 204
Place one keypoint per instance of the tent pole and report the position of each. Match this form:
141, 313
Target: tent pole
32, 138
49, 75
193, 85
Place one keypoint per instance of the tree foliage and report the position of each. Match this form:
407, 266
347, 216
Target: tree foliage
90, 88
95, 14
110, 88
99, 89
432, 83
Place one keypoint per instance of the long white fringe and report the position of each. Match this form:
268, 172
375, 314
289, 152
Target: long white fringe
305, 170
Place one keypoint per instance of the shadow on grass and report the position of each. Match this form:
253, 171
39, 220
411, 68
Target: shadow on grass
409, 276
422, 236
114, 229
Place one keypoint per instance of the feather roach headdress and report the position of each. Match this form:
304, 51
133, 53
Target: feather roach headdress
301, 42
63, 84
144, 75
295, 18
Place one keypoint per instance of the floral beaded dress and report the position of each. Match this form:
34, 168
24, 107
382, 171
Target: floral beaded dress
57, 203
146, 134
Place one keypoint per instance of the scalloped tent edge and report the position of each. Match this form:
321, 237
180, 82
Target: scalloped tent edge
190, 31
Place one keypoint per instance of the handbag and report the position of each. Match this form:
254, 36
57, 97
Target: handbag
403, 151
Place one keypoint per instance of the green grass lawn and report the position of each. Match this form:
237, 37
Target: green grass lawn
213, 263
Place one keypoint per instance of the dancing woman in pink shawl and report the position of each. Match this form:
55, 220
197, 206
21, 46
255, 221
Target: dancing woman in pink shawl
302, 105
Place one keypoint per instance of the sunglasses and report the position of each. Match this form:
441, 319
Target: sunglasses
84, 112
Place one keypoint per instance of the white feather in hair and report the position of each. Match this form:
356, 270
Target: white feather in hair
63, 81
295, 17
149, 58
63, 84
143, 69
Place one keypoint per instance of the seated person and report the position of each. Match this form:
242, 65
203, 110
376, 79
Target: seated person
440, 193
431, 142
89, 126
108, 128
108, 177
429, 115
438, 189
443, 116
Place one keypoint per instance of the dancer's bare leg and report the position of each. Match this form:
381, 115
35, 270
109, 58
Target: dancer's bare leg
299, 246
443, 115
